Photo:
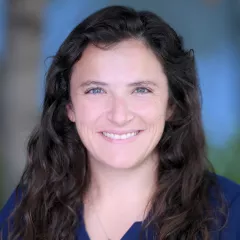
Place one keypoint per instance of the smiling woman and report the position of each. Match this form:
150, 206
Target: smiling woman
120, 108
120, 149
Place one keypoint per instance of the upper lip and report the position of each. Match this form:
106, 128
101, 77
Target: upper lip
120, 132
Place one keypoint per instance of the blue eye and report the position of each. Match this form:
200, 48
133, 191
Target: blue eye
94, 91
142, 90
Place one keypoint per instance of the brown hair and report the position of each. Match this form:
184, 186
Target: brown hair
57, 172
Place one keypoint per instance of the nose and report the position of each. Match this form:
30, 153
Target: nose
119, 113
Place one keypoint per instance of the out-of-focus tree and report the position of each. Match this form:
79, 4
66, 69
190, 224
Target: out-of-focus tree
19, 85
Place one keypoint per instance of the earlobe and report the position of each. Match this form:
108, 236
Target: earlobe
169, 113
70, 112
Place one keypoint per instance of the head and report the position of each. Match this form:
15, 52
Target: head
119, 102
121, 82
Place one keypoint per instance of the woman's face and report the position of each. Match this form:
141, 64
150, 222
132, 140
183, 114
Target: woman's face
119, 103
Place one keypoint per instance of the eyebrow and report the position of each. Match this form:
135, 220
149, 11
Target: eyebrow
133, 84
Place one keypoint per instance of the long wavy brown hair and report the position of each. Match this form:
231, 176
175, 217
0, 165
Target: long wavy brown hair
57, 173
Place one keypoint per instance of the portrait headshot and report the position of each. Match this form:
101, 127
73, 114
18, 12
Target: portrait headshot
120, 150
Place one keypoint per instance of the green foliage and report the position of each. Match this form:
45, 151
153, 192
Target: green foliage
226, 160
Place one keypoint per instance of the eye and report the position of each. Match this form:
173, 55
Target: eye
142, 90
95, 91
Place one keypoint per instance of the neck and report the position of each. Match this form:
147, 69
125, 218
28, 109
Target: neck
116, 187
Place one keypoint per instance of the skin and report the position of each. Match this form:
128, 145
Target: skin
108, 95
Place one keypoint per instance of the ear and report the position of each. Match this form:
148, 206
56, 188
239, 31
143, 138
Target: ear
70, 112
169, 112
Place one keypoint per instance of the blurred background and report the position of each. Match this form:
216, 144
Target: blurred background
32, 30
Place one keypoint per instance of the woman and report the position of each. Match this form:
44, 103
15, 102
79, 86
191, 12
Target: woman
120, 150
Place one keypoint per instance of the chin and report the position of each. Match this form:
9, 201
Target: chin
122, 164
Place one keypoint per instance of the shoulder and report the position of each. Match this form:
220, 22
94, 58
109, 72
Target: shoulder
8, 208
231, 195
230, 189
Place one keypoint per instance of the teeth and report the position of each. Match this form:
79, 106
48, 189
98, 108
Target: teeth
122, 136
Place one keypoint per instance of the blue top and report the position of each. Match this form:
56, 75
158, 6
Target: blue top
231, 231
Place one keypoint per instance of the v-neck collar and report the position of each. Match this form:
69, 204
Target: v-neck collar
133, 233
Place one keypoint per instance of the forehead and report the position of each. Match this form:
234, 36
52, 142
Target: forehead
124, 61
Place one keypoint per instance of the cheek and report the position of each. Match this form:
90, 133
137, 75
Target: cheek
87, 112
152, 111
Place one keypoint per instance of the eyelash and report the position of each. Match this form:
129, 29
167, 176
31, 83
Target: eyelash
92, 89
144, 88
98, 88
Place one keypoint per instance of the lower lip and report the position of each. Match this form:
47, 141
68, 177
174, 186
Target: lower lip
128, 140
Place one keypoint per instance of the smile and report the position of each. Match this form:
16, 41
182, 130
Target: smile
120, 136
